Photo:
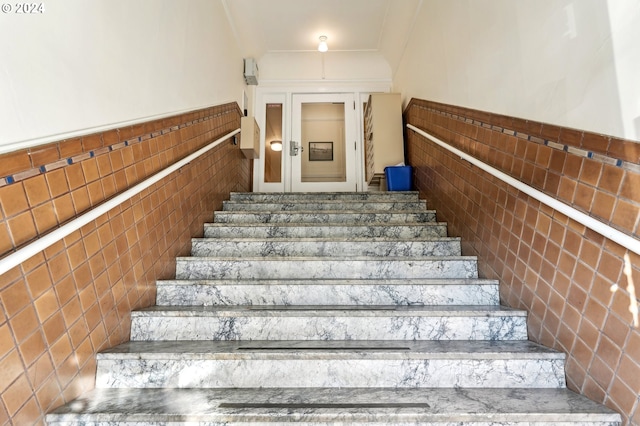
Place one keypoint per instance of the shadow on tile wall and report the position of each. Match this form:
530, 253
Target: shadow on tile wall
65, 304
548, 264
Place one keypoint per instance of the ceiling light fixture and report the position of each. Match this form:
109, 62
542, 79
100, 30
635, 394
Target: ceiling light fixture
323, 47
276, 145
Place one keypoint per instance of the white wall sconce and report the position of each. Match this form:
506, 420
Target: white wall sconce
276, 145
323, 47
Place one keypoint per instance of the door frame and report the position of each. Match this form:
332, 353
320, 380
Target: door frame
267, 93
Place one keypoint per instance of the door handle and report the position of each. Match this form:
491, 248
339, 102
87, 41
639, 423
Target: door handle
294, 148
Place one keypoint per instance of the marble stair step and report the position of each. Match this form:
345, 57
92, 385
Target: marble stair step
323, 322
324, 205
274, 197
345, 216
403, 364
331, 406
215, 247
327, 292
353, 230
197, 268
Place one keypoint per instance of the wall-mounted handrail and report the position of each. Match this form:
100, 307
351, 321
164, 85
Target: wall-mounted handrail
601, 228
51, 238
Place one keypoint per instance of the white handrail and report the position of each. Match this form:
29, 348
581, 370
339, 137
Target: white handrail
603, 229
47, 240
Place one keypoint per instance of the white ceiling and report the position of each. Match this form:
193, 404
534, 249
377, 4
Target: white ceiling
270, 26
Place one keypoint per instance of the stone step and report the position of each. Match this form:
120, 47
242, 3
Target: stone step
332, 406
327, 292
282, 364
215, 247
310, 230
268, 322
198, 268
346, 216
371, 317
274, 197
322, 205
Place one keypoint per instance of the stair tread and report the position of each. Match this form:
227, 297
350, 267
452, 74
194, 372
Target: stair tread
365, 229
323, 349
229, 322
324, 194
321, 201
327, 193
328, 259
293, 202
329, 311
315, 225
373, 292
329, 405
335, 282
327, 239
321, 212
321, 206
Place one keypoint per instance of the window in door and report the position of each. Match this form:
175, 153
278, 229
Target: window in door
273, 144
323, 140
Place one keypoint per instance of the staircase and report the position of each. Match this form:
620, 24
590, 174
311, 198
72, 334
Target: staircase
329, 309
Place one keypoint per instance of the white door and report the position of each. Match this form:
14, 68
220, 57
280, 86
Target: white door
322, 149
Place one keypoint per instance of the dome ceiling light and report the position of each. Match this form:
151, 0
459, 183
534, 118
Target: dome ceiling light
276, 146
323, 47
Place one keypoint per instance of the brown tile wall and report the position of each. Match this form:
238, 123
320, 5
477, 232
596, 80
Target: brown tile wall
548, 264
73, 300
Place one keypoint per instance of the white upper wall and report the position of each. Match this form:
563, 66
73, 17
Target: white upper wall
570, 63
296, 67
82, 66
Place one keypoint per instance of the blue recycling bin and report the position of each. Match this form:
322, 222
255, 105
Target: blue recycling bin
398, 178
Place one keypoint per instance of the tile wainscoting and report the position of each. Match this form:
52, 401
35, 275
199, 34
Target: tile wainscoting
74, 299
553, 267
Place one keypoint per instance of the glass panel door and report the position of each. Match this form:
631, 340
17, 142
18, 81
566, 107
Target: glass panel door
323, 143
